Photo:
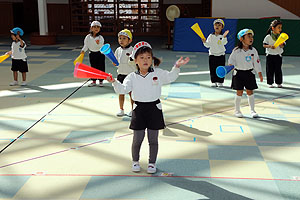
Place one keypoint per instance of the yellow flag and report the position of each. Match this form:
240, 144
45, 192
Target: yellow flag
79, 59
197, 30
281, 39
2, 58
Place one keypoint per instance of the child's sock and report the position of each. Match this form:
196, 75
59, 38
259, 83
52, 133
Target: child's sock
237, 103
251, 102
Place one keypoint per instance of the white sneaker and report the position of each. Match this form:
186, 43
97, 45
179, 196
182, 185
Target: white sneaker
136, 167
120, 113
270, 86
238, 114
279, 86
220, 84
151, 168
13, 83
23, 83
101, 84
214, 85
253, 114
92, 84
130, 114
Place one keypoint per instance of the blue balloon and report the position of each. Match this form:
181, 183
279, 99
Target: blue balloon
17, 31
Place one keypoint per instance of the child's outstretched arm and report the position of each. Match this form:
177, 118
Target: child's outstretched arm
110, 79
121, 88
226, 33
21, 41
167, 77
181, 61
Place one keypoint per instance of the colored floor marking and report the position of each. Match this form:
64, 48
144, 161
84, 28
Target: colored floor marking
236, 126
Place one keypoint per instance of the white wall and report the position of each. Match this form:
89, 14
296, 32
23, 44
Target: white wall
249, 9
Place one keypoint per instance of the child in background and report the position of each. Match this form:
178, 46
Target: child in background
245, 59
145, 85
122, 54
93, 42
19, 58
273, 55
216, 43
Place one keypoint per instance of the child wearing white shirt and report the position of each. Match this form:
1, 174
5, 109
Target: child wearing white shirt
273, 55
19, 58
93, 42
125, 67
145, 85
216, 43
246, 62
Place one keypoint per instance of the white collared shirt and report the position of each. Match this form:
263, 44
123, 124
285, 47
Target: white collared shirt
269, 51
216, 44
93, 43
146, 88
18, 52
245, 60
122, 55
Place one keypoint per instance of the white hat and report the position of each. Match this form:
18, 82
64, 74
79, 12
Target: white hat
96, 23
219, 21
137, 46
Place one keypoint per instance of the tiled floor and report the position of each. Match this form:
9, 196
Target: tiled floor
60, 139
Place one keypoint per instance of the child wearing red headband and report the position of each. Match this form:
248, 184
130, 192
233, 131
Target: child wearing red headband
145, 85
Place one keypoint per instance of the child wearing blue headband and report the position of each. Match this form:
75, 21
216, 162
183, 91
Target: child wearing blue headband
18, 55
246, 62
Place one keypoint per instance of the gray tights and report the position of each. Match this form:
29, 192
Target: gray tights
138, 137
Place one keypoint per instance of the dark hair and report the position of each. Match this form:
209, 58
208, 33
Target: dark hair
149, 50
91, 32
221, 33
274, 23
240, 44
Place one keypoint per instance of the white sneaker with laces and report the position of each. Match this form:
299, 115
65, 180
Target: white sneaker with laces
13, 83
101, 84
214, 85
238, 114
270, 86
253, 114
92, 84
136, 167
130, 114
120, 113
220, 84
279, 86
23, 83
151, 168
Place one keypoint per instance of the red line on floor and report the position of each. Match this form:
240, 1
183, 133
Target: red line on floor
150, 176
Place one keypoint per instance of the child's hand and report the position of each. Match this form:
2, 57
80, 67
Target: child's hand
114, 64
273, 47
203, 40
110, 79
9, 53
181, 62
226, 33
282, 45
260, 77
82, 52
18, 37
